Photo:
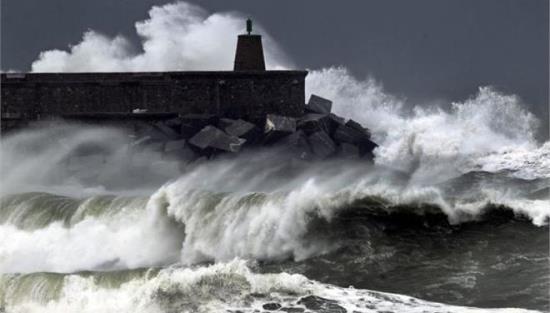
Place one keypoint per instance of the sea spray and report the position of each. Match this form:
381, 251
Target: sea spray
203, 42
201, 217
430, 142
79, 160
222, 286
98, 233
418, 138
449, 162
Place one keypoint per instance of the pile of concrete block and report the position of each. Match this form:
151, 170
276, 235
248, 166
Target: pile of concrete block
317, 135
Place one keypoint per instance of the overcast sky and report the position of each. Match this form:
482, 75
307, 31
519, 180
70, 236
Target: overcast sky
423, 50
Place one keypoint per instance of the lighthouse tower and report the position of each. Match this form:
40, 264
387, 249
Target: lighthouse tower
250, 53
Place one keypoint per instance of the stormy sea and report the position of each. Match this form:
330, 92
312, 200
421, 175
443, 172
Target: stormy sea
452, 216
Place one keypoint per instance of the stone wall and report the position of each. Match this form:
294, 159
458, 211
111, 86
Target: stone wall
250, 95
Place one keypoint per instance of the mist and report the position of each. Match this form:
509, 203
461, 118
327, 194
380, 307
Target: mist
178, 36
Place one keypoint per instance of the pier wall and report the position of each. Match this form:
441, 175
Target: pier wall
244, 94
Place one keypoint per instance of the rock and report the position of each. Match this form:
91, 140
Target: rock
223, 123
321, 305
338, 119
321, 144
348, 151
277, 126
174, 123
192, 123
271, 306
154, 133
313, 122
347, 134
212, 137
358, 127
366, 149
297, 145
318, 104
292, 310
358, 137
180, 150
168, 132
175, 145
243, 129
278, 123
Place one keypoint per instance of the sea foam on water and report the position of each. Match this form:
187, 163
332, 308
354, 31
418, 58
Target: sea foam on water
120, 219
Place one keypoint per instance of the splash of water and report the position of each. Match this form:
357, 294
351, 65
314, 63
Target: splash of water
178, 36
425, 140
428, 141
219, 287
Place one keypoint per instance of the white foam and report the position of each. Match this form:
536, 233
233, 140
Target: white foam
491, 127
491, 130
228, 211
525, 163
112, 241
215, 288
46, 158
177, 36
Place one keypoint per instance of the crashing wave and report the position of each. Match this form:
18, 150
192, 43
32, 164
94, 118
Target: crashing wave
200, 217
228, 287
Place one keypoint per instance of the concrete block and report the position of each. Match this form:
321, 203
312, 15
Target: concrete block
192, 123
143, 130
180, 150
277, 126
278, 123
355, 136
223, 123
350, 135
212, 137
319, 105
174, 145
243, 129
338, 119
297, 145
321, 144
168, 132
348, 151
353, 124
313, 122
174, 123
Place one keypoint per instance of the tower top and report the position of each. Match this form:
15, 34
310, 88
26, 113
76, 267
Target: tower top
250, 54
249, 26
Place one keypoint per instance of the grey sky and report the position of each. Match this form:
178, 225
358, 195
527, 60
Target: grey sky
424, 50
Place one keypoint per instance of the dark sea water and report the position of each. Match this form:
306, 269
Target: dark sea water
260, 232
451, 217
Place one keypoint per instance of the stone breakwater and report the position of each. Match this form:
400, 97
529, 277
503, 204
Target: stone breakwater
316, 135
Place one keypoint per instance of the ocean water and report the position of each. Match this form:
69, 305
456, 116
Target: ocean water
452, 217
127, 231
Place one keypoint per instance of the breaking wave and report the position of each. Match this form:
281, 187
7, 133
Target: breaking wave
428, 141
224, 209
177, 36
73, 202
229, 286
